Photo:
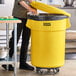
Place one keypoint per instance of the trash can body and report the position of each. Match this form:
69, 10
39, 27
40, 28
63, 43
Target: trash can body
48, 42
48, 48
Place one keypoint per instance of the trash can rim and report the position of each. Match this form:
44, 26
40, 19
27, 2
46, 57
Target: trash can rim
47, 17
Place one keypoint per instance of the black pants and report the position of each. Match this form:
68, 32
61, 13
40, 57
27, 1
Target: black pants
21, 28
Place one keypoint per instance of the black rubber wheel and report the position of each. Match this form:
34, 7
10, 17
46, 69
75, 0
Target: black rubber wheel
41, 71
57, 69
53, 71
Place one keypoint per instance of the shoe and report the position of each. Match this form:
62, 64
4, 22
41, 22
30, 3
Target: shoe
10, 67
26, 67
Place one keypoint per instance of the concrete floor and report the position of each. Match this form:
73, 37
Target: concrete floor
69, 69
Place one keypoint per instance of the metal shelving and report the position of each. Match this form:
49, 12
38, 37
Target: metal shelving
68, 7
14, 22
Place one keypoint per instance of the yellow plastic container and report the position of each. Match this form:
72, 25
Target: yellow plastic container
48, 36
48, 41
48, 8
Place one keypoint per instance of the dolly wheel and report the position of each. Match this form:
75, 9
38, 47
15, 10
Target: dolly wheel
41, 70
55, 70
38, 70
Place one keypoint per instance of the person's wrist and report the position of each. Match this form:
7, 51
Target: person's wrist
29, 8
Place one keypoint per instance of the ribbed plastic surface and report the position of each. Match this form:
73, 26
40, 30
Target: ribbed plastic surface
48, 8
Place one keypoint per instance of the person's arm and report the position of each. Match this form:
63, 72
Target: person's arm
31, 0
29, 8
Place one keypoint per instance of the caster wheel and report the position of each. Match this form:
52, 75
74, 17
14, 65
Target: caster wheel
57, 69
41, 71
38, 70
53, 71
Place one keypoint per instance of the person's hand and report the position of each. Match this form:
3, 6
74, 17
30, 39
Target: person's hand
33, 11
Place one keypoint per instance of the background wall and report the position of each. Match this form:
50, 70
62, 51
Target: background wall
6, 10
72, 11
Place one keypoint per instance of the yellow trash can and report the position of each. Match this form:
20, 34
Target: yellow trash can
47, 39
